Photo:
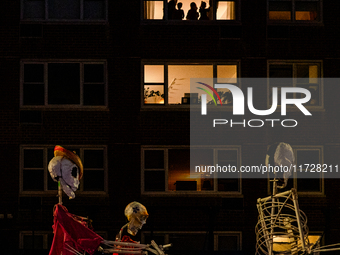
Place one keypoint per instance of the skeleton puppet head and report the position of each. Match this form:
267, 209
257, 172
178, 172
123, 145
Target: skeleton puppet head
136, 214
67, 168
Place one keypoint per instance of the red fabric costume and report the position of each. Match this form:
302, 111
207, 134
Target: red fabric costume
70, 231
126, 239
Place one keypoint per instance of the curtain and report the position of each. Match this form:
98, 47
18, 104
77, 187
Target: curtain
225, 10
149, 9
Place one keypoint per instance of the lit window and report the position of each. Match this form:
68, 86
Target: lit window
168, 170
294, 10
35, 177
169, 10
195, 240
64, 10
56, 84
169, 84
306, 157
297, 74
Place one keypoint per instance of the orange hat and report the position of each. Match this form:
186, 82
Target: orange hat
60, 151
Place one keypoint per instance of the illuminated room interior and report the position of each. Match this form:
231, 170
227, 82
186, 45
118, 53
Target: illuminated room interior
225, 9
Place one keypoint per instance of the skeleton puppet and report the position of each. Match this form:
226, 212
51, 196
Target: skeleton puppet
67, 168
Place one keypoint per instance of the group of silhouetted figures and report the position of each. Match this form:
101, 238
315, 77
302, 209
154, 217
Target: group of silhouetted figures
178, 13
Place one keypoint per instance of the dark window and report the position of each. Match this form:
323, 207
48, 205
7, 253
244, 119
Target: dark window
64, 84
176, 173
294, 10
30, 242
94, 9
34, 9
64, 10
154, 181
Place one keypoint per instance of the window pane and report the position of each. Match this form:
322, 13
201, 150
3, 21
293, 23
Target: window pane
51, 185
228, 243
281, 71
34, 9
38, 242
153, 10
179, 79
64, 9
63, 83
158, 238
188, 242
154, 159
94, 73
227, 181
33, 73
50, 154
154, 94
179, 170
94, 94
225, 10
307, 157
226, 73
280, 10
154, 73
315, 94
33, 180
306, 10
34, 94
307, 73
33, 158
154, 180
94, 158
308, 185
228, 185
94, 9
93, 180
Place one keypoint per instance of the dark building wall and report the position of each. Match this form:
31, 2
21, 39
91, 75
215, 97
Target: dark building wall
124, 42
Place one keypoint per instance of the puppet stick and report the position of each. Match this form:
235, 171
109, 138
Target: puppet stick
60, 193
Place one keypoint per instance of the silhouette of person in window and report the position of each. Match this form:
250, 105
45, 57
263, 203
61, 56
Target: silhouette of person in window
171, 8
179, 13
192, 13
204, 11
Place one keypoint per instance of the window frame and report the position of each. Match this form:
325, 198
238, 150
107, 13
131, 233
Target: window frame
166, 234
36, 233
81, 63
293, 178
80, 20
294, 63
213, 192
46, 191
293, 20
166, 19
166, 64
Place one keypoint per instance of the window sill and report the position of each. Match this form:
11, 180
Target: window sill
64, 22
235, 194
294, 23
50, 193
65, 108
295, 109
191, 22
183, 108
311, 194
